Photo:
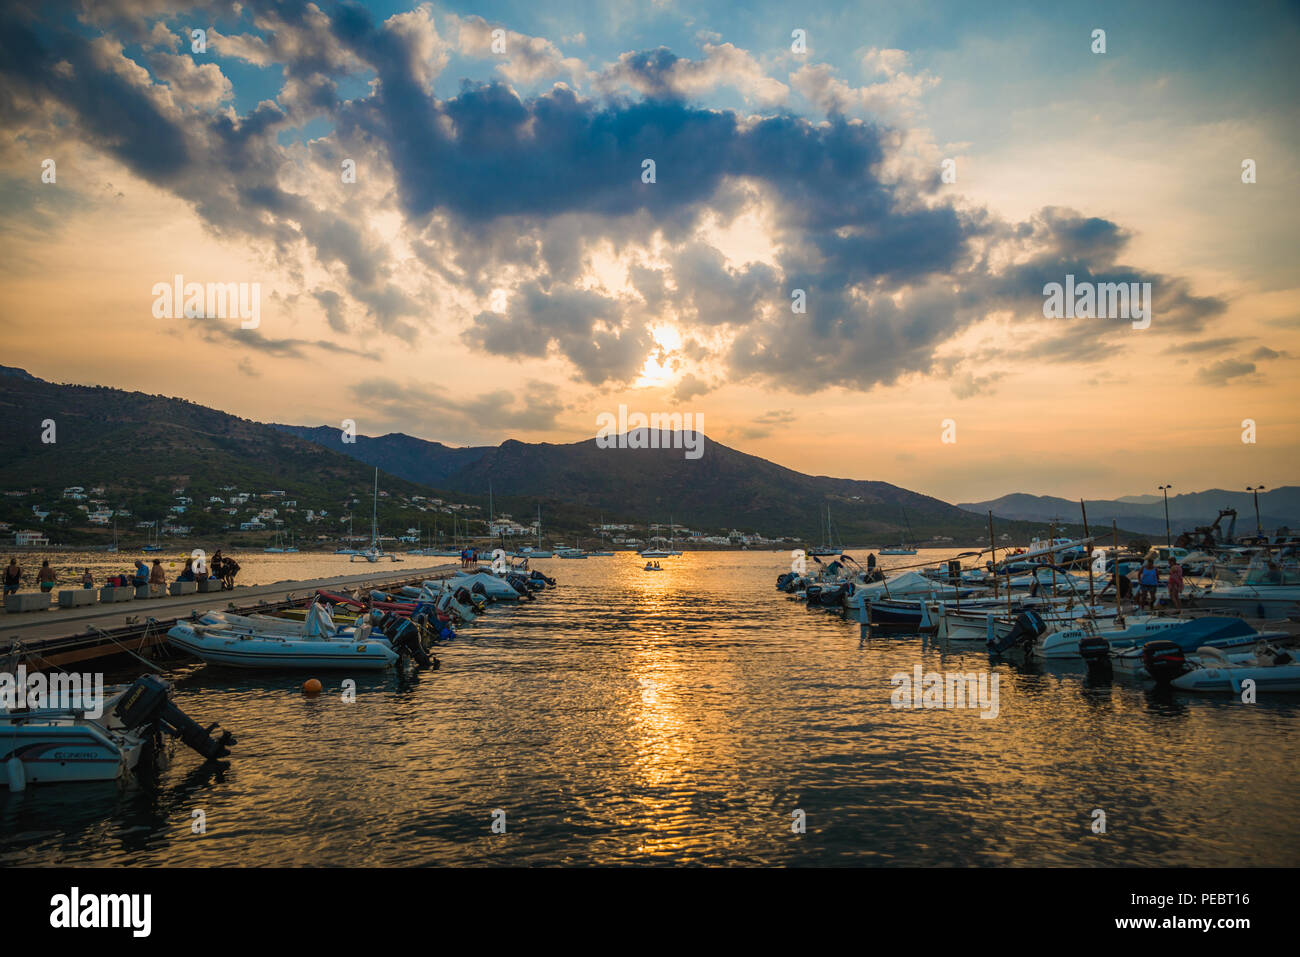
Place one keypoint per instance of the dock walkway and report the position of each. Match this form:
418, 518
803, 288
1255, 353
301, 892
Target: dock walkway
62, 636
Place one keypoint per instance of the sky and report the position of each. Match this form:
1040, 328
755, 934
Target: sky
840, 261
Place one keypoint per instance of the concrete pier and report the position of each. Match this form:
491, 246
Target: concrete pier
62, 637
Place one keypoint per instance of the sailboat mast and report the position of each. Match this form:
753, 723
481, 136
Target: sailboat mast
374, 513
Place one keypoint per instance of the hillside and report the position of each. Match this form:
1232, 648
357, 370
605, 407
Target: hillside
723, 488
144, 447
1279, 507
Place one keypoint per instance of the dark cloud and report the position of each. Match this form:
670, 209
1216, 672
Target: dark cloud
491, 184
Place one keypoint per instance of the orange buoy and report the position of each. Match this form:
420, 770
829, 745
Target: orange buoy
311, 686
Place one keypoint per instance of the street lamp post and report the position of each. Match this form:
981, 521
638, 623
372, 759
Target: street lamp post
1164, 490
1255, 490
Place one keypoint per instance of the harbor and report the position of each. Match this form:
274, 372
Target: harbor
678, 718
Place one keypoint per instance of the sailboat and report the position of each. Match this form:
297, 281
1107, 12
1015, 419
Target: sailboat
153, 546
372, 552
826, 548
903, 548
664, 552
538, 552
277, 547
113, 547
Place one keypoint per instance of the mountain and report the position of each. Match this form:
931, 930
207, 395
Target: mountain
415, 460
722, 488
143, 446
1277, 508
101, 435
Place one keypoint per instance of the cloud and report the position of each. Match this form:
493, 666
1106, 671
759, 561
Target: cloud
1223, 371
485, 417
662, 74
488, 188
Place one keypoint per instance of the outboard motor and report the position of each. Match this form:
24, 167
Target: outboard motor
783, 580
148, 704
1095, 652
832, 597
1024, 632
1164, 660
537, 576
478, 589
404, 636
813, 594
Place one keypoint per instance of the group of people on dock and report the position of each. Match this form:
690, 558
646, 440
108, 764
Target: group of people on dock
468, 557
220, 568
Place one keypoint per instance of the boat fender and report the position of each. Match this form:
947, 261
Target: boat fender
17, 774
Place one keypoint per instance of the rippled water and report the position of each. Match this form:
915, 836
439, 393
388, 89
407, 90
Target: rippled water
681, 717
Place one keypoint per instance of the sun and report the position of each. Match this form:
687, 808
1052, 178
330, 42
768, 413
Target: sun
660, 366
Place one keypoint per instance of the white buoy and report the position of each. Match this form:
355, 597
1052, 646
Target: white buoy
17, 774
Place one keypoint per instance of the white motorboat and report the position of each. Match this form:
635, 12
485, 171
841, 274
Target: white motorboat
1064, 642
74, 743
1269, 591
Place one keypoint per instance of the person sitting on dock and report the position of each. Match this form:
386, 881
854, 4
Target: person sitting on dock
158, 576
46, 576
13, 577
141, 576
87, 579
187, 573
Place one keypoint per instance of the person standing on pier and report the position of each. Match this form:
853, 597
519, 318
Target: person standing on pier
46, 576
13, 577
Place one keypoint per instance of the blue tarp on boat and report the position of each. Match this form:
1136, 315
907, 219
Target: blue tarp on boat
1204, 631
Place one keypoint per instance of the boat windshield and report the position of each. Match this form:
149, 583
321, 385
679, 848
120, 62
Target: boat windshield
1271, 572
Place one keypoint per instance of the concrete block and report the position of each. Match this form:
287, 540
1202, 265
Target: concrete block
76, 597
183, 588
27, 601
209, 584
141, 591
115, 593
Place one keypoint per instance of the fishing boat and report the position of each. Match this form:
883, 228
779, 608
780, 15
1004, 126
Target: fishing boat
72, 742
